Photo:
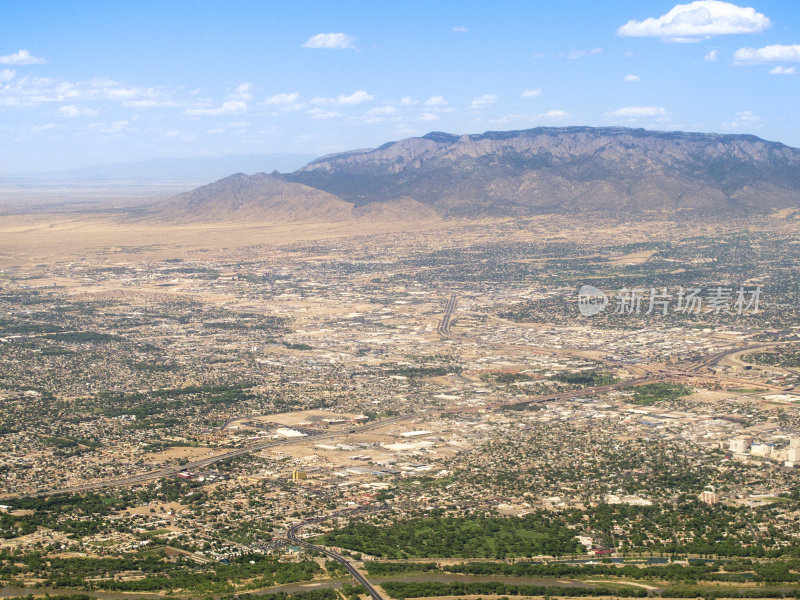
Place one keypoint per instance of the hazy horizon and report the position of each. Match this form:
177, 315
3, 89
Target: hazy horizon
192, 80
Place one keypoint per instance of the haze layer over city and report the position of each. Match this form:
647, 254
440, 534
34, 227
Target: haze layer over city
350, 301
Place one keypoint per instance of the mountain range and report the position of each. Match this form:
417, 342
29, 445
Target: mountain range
513, 173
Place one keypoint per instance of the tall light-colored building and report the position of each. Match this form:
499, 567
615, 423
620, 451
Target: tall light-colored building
761, 450
739, 445
709, 496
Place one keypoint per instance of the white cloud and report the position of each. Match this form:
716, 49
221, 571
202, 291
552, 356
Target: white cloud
632, 112
235, 104
47, 127
532, 93
321, 113
355, 98
242, 92
238, 126
553, 114
575, 54
116, 127
151, 103
122, 93
77, 111
779, 70
698, 20
743, 119
35, 91
460, 29
178, 135
484, 101
107, 89
381, 111
336, 41
228, 108
21, 57
436, 101
767, 54
285, 102
508, 120
407, 101
712, 56
631, 77
279, 99
428, 116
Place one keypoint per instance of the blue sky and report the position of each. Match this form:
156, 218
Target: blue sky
84, 83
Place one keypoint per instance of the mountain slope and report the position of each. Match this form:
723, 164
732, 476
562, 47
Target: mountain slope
252, 198
544, 170
572, 168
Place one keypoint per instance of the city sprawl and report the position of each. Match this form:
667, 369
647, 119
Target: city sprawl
435, 410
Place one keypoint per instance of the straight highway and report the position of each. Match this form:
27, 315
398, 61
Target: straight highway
443, 328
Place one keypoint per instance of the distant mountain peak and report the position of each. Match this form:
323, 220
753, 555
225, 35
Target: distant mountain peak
441, 137
566, 168
501, 173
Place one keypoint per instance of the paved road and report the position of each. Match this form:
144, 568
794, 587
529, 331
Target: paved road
649, 375
204, 462
714, 359
291, 534
443, 329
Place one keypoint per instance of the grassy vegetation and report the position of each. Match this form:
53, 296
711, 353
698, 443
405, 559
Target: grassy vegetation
585, 378
730, 571
652, 393
378, 568
786, 356
401, 590
468, 537
249, 571
298, 346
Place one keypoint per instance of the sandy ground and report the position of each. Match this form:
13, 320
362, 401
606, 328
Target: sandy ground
31, 239
187, 452
44, 237
158, 508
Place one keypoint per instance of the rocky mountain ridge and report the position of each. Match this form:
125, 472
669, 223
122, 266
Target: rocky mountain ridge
529, 172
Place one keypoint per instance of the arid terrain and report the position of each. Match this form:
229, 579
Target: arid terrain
221, 389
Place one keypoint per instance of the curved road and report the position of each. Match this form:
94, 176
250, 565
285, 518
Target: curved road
291, 534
